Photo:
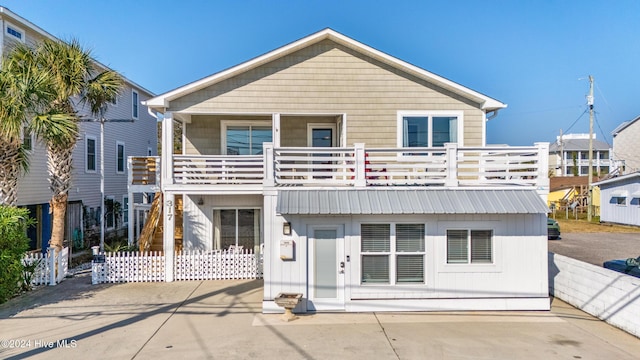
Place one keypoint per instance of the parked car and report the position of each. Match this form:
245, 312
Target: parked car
553, 229
630, 266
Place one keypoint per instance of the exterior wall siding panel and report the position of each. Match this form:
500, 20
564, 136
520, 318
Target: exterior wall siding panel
330, 78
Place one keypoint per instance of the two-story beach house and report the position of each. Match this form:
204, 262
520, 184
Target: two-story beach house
363, 181
121, 139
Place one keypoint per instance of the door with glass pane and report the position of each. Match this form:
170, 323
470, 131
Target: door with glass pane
326, 268
322, 136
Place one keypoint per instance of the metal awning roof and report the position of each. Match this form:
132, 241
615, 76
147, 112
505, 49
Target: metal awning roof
409, 201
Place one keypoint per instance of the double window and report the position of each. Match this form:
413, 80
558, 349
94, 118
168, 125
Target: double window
241, 138
429, 129
469, 246
238, 228
392, 253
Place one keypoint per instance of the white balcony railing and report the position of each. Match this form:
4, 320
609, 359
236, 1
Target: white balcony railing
359, 166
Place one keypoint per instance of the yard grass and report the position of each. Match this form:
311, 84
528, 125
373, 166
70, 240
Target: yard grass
583, 226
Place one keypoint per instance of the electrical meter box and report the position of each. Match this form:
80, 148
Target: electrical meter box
286, 249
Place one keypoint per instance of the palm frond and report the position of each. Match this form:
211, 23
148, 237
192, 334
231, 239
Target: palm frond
55, 127
101, 90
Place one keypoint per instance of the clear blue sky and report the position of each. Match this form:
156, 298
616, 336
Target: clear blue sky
533, 55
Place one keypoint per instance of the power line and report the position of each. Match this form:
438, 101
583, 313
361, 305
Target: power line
576, 120
604, 137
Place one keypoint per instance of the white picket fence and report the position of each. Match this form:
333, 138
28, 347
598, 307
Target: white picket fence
188, 265
51, 269
217, 265
113, 267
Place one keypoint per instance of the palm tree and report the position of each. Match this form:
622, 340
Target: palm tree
78, 85
24, 90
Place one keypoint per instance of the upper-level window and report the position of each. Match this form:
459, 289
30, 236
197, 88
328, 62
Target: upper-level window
134, 100
27, 139
120, 157
429, 128
90, 153
15, 32
245, 138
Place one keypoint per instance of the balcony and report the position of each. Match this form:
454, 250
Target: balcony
356, 166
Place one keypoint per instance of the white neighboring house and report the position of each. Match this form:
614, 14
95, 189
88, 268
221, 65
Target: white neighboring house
569, 155
620, 199
138, 138
365, 182
626, 147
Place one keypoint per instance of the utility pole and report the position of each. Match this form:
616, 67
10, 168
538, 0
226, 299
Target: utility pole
561, 155
589, 190
102, 120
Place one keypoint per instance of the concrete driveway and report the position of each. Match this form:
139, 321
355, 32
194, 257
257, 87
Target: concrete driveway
222, 320
596, 248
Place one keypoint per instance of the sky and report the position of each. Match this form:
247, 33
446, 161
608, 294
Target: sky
535, 56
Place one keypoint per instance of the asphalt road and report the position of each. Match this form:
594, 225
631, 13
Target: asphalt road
596, 248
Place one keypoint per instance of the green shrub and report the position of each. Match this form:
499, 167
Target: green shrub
13, 245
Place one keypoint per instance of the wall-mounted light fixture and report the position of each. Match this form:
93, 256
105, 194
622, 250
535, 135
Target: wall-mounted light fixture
200, 201
286, 228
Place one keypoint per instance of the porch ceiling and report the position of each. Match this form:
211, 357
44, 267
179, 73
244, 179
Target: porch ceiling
409, 201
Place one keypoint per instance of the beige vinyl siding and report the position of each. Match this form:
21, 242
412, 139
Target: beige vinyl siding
327, 78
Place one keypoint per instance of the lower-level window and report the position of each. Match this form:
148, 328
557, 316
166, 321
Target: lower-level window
392, 253
238, 228
469, 246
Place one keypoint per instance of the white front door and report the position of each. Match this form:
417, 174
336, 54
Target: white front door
326, 268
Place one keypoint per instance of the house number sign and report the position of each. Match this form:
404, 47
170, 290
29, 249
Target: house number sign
169, 208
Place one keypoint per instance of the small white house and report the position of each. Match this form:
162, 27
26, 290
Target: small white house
620, 199
364, 180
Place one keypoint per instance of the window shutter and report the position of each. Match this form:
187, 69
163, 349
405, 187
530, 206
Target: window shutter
481, 249
375, 237
457, 249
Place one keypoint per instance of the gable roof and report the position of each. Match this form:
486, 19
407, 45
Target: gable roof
162, 101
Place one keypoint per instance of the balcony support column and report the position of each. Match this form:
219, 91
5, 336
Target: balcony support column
166, 167
269, 165
168, 235
452, 164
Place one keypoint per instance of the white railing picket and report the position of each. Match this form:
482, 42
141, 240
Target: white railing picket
45, 273
189, 265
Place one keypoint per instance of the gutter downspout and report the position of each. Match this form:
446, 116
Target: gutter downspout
494, 113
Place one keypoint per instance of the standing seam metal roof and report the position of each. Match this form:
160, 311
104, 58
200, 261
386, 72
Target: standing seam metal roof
409, 201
